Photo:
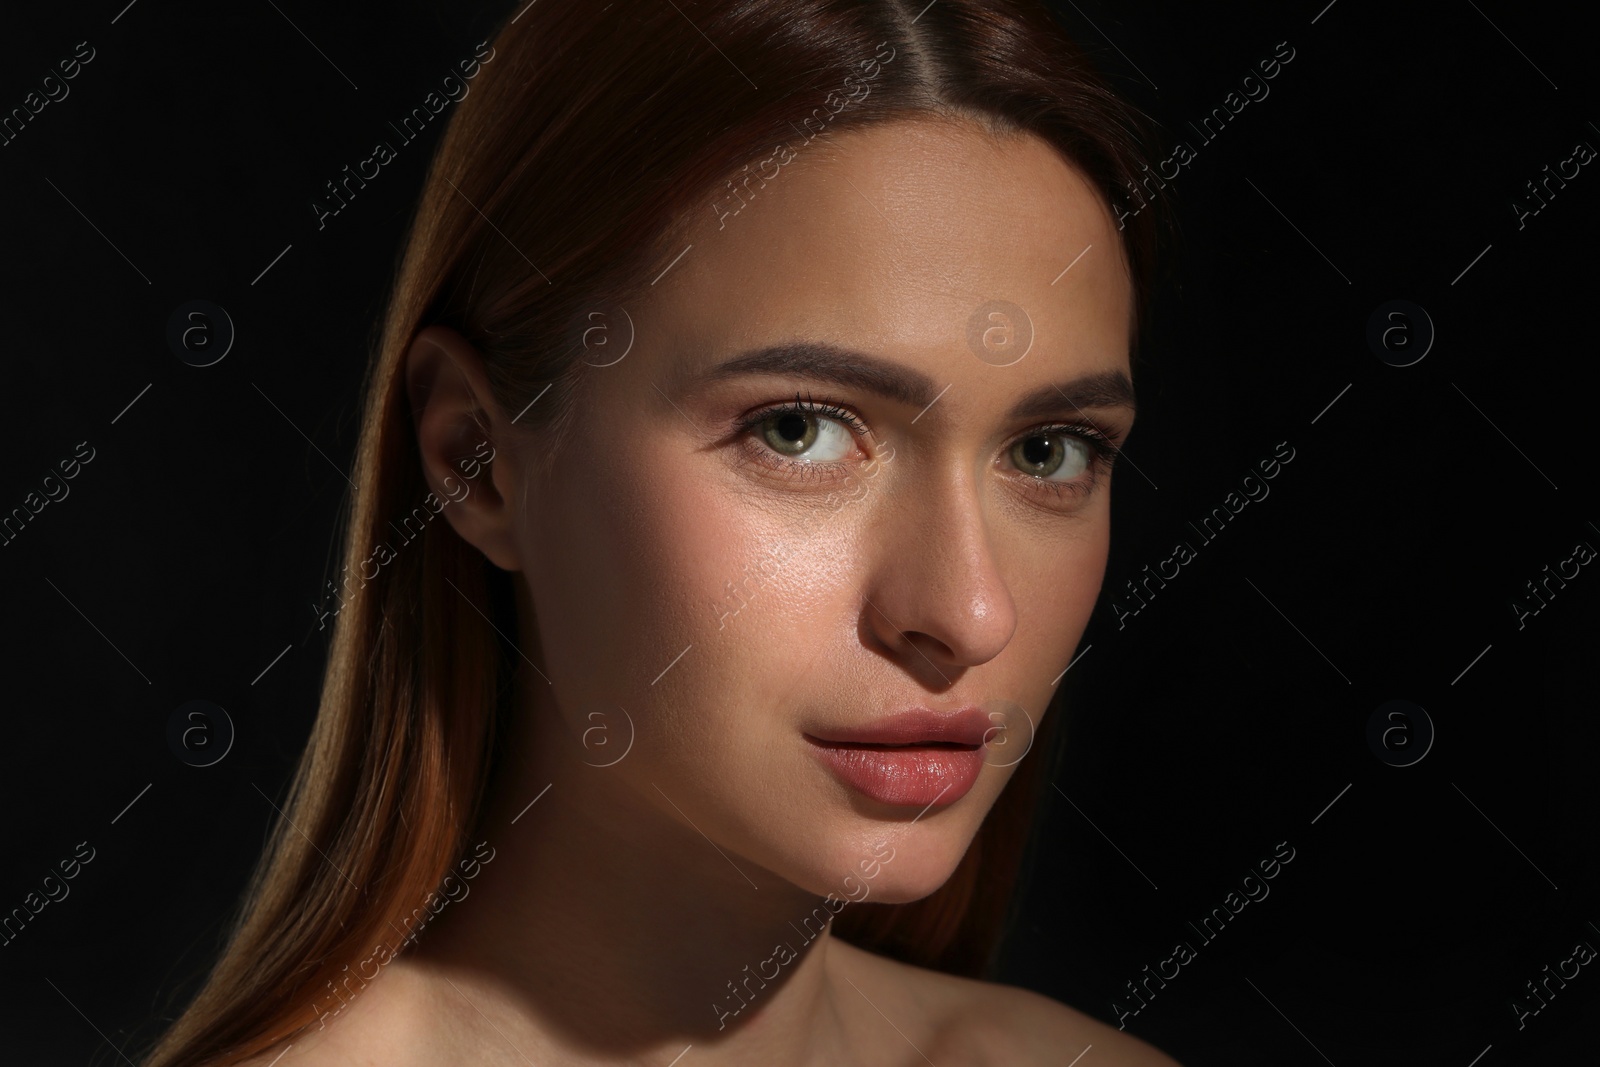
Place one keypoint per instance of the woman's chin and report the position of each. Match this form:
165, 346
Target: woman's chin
890, 875
904, 891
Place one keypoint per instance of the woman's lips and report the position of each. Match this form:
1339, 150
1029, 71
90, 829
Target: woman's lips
909, 775
914, 758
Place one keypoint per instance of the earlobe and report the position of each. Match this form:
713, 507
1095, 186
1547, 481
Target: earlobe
454, 415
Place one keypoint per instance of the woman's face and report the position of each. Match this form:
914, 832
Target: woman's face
772, 597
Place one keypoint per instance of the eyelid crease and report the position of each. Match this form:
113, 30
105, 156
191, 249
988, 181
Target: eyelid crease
808, 406
1087, 429
1102, 441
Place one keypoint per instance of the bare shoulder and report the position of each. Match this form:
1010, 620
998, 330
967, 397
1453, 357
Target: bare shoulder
309, 1048
982, 1023
1022, 1026
273, 1055
384, 1025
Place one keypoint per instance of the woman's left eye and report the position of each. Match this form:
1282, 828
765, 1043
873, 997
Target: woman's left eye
1045, 455
1064, 460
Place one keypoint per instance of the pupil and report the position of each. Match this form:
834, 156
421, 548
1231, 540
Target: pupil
791, 421
1038, 450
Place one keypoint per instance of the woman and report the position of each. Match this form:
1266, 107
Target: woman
765, 361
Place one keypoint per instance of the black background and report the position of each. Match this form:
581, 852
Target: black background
1222, 719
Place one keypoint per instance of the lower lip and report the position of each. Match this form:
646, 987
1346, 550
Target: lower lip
918, 776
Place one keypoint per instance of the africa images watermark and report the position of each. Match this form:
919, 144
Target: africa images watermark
411, 527
813, 925
1582, 954
410, 128
853, 91
1569, 568
1209, 929
1254, 489
1254, 89
55, 490
55, 90
55, 890
1582, 153
415, 923
738, 597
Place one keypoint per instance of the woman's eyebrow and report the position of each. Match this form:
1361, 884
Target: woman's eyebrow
1107, 389
826, 362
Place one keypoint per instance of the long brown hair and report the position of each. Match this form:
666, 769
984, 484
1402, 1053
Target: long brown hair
590, 137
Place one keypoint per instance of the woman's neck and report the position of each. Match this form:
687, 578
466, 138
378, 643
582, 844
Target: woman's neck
613, 932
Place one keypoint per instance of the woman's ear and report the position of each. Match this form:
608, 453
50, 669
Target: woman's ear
463, 437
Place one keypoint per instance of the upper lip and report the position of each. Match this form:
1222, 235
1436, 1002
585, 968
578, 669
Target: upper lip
963, 726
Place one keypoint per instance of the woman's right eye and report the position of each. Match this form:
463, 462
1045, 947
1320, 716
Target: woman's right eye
806, 431
805, 437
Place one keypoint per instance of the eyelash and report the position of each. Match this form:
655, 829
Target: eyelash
1103, 450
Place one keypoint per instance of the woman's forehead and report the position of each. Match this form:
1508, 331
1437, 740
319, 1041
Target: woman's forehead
893, 240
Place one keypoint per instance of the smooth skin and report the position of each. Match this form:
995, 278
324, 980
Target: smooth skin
619, 909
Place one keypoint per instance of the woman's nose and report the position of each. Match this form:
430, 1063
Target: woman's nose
935, 594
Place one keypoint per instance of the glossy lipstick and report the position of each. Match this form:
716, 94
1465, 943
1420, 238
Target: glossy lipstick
914, 758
